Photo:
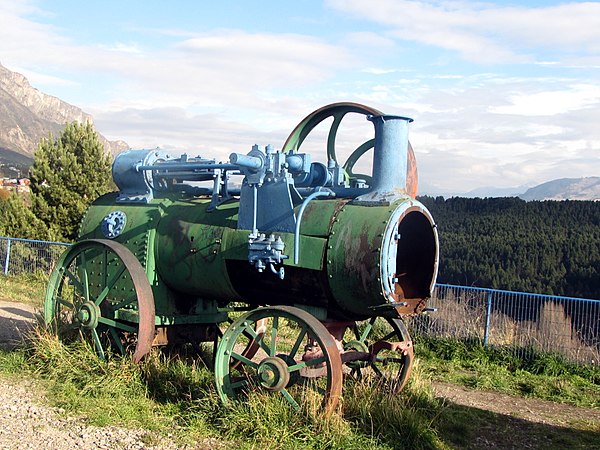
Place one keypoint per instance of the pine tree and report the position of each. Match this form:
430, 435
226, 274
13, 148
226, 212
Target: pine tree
69, 173
18, 220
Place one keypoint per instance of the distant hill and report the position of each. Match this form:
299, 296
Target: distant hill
565, 189
28, 115
490, 191
13, 164
562, 189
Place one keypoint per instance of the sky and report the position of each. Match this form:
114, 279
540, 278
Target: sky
503, 94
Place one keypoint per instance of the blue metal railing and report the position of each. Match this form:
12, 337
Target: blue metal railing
28, 255
522, 321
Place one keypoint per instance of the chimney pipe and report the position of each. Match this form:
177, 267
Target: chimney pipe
390, 160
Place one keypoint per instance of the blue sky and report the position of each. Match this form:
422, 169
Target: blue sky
503, 94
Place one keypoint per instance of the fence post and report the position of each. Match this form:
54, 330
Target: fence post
488, 313
6, 261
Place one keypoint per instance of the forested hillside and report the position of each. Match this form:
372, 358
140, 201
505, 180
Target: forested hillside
549, 247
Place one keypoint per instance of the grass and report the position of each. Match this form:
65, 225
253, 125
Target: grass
175, 398
29, 289
543, 376
172, 396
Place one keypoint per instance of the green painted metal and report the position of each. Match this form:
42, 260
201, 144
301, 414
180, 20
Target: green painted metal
353, 258
278, 365
94, 281
188, 253
366, 252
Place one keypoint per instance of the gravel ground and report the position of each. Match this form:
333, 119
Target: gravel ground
26, 422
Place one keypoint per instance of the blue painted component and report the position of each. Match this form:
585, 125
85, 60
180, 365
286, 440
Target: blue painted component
113, 224
136, 186
266, 251
390, 160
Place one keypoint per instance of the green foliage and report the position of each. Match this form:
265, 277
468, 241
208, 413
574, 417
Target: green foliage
18, 220
549, 247
68, 174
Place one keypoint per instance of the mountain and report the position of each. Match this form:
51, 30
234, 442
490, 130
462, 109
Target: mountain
587, 188
28, 115
490, 191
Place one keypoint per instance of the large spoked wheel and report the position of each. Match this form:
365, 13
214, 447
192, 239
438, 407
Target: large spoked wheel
99, 290
390, 348
338, 111
297, 359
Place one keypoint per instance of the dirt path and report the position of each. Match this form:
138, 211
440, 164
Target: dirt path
529, 409
514, 422
15, 320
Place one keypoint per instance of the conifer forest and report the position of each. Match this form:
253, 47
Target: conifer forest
545, 247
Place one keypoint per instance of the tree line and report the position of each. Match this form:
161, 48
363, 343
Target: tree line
545, 247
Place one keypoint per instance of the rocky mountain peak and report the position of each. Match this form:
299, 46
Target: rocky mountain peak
27, 115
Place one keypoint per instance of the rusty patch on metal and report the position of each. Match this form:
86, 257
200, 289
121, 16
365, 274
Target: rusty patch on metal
412, 176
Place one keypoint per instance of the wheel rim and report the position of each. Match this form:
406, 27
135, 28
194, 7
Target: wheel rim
100, 290
281, 365
338, 111
391, 349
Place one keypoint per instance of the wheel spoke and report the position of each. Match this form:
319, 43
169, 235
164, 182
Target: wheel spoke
258, 338
109, 285
244, 360
115, 324
63, 302
274, 331
367, 330
240, 383
376, 370
73, 279
83, 276
298, 342
387, 360
117, 340
314, 362
312, 384
309, 363
290, 399
98, 344
337, 119
388, 336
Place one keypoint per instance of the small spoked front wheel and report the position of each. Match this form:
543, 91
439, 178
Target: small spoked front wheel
296, 359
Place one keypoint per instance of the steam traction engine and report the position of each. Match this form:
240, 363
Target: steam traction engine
299, 275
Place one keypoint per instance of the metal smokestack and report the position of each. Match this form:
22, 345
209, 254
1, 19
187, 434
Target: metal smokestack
390, 160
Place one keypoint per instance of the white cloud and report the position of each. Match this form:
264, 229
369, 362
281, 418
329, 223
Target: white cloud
549, 103
485, 32
221, 90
